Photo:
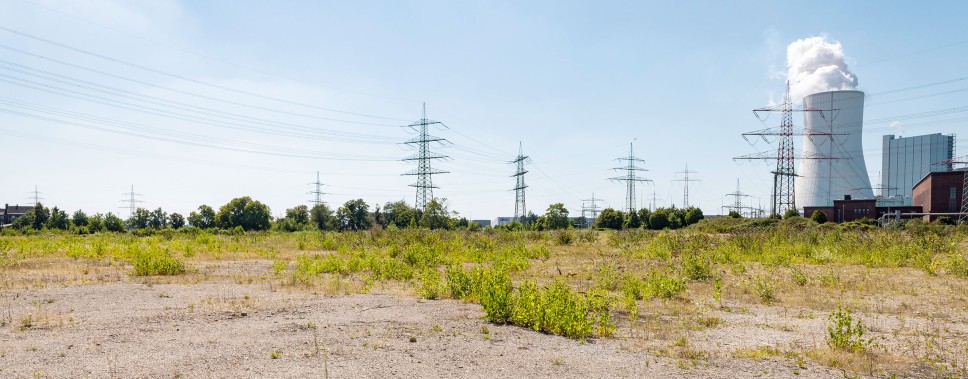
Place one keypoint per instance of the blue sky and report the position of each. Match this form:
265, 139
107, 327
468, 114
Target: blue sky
310, 81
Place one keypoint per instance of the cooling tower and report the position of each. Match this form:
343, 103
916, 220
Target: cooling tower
833, 165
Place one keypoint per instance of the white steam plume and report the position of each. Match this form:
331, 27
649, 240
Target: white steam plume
816, 65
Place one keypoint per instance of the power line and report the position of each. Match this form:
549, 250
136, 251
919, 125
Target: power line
186, 51
423, 157
180, 77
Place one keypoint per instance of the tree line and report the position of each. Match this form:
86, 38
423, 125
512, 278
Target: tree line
246, 214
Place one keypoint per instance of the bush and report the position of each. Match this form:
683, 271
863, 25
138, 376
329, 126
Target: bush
459, 283
156, 263
495, 296
819, 216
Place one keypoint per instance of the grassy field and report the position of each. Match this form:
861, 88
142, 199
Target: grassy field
882, 301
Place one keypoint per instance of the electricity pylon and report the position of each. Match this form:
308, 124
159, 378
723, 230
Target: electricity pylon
520, 210
423, 157
631, 177
685, 188
317, 193
132, 201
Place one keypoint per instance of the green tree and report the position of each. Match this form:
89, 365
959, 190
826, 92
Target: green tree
176, 221
353, 215
298, 214
141, 219
95, 223
113, 223
158, 219
819, 216
693, 215
80, 218
58, 219
631, 220
321, 217
399, 213
204, 218
644, 215
734, 214
25, 221
556, 217
41, 216
659, 219
435, 216
791, 213
245, 213
610, 219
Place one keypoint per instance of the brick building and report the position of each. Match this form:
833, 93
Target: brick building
940, 192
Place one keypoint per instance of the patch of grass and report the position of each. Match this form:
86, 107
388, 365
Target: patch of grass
798, 276
709, 321
275, 354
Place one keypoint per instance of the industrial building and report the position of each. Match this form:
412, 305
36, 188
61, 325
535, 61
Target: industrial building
848, 209
939, 193
936, 194
907, 160
832, 164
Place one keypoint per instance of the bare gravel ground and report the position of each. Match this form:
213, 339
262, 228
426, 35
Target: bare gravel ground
220, 329
229, 319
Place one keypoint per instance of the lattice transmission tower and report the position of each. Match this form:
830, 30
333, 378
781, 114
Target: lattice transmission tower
424, 156
520, 209
317, 193
685, 188
132, 201
35, 195
737, 205
591, 208
631, 177
784, 174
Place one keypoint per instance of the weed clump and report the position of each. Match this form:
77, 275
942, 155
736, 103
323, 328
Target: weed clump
845, 334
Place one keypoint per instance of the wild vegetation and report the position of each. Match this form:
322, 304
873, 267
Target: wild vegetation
654, 285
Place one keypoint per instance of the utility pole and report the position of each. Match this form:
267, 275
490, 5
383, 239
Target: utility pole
784, 174
132, 201
423, 157
630, 178
318, 193
685, 188
36, 196
592, 209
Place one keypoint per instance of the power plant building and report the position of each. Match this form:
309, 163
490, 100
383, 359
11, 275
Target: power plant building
832, 165
907, 160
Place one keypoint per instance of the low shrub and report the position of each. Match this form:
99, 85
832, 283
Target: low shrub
156, 263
